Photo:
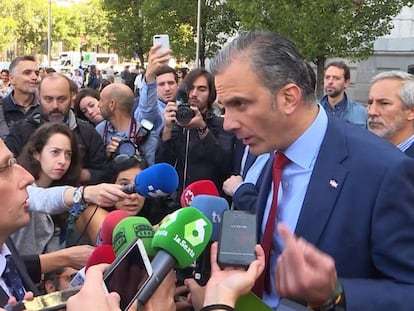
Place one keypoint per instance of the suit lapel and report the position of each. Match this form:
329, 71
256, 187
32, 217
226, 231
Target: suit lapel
410, 151
326, 182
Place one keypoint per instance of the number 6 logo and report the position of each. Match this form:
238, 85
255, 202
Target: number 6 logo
194, 232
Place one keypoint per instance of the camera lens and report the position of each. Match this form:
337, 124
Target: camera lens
126, 147
184, 114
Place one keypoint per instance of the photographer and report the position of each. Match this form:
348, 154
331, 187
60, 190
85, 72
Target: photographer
193, 138
121, 133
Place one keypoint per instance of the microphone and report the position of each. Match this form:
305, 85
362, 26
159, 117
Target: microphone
204, 186
109, 223
101, 254
179, 240
212, 207
182, 94
130, 228
158, 180
79, 278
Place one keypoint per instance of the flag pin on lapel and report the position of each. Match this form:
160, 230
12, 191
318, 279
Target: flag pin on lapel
333, 183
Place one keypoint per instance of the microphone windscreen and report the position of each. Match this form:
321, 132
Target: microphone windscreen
183, 234
204, 186
101, 254
130, 228
156, 181
109, 223
212, 207
182, 93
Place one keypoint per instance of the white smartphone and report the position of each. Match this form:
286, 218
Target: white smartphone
128, 273
164, 40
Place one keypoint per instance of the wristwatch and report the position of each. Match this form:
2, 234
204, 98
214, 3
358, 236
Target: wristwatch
78, 195
201, 130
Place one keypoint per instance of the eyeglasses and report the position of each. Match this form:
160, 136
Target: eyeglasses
121, 158
66, 277
10, 163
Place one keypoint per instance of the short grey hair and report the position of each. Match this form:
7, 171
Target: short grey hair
17, 60
407, 90
274, 58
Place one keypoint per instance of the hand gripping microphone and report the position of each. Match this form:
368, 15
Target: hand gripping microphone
204, 186
109, 223
179, 240
130, 228
156, 181
212, 207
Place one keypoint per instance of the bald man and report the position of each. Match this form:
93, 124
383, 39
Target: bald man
121, 133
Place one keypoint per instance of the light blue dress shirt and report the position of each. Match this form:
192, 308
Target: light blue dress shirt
292, 189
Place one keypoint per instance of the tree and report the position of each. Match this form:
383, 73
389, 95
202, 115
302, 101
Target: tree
126, 26
133, 24
8, 24
83, 19
323, 28
179, 20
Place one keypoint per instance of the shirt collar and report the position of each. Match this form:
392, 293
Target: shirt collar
4, 252
35, 101
305, 149
404, 145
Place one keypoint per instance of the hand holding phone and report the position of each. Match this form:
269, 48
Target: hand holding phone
128, 273
164, 40
238, 238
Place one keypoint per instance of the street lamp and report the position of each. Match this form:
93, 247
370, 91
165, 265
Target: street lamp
49, 32
197, 61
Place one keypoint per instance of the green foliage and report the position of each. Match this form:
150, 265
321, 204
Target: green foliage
125, 25
133, 24
26, 21
8, 24
323, 28
346, 28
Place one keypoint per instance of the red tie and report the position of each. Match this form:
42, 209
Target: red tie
279, 162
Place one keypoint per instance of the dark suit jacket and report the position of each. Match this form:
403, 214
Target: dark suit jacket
410, 151
366, 223
21, 269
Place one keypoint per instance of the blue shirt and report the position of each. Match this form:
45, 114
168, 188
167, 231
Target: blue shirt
150, 107
338, 110
403, 146
292, 189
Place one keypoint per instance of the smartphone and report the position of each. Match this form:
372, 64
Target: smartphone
238, 238
128, 273
164, 40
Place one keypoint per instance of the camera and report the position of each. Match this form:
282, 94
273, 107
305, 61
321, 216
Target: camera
127, 147
184, 112
130, 146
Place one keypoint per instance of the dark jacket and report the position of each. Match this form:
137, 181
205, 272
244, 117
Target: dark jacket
209, 158
90, 143
14, 113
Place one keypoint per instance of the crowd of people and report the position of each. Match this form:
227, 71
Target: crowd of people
334, 220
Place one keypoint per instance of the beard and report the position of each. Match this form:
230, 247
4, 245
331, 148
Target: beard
334, 92
55, 116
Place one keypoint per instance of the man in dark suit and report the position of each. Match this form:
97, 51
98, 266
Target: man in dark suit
391, 109
346, 194
14, 210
